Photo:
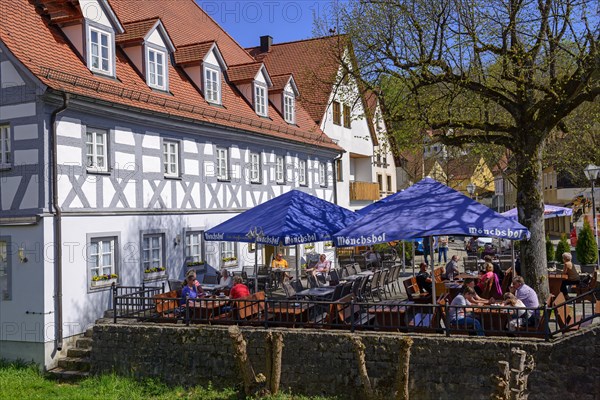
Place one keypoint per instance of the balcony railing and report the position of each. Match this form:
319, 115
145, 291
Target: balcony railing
364, 191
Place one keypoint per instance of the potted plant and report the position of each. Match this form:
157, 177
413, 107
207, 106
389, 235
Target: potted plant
586, 249
562, 247
328, 245
550, 253
229, 261
309, 247
104, 280
154, 273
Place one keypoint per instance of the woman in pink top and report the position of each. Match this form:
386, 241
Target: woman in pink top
483, 279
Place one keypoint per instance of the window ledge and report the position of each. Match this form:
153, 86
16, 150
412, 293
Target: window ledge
98, 171
223, 180
5, 167
173, 177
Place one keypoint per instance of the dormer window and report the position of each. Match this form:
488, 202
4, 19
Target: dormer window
212, 85
157, 69
260, 100
289, 110
101, 51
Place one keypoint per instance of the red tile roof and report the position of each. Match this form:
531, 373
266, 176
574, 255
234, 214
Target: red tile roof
279, 82
59, 11
243, 72
42, 48
136, 31
314, 63
192, 53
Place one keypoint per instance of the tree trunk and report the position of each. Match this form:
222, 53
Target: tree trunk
530, 203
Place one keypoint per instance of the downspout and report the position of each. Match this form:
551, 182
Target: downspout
335, 181
58, 333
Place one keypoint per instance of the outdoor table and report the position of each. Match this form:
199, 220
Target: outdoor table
365, 273
493, 318
211, 287
206, 307
555, 280
290, 313
390, 316
317, 292
463, 276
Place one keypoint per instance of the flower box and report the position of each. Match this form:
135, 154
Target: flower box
151, 276
104, 282
232, 263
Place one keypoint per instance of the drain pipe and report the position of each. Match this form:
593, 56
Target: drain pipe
335, 181
58, 333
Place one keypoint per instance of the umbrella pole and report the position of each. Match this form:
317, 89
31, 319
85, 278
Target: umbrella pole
297, 262
413, 258
255, 264
431, 252
403, 258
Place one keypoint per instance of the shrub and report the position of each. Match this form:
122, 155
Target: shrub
562, 247
586, 249
549, 249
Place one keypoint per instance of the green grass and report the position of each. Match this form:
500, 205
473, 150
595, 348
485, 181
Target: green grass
23, 381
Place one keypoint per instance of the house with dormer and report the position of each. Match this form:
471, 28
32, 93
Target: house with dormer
126, 131
352, 118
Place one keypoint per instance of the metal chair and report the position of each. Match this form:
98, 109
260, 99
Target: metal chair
210, 279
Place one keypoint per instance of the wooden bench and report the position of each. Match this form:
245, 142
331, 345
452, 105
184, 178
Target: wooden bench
428, 322
251, 308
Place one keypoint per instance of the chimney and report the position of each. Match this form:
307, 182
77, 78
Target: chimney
265, 43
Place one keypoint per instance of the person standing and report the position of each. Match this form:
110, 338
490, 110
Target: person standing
442, 249
452, 268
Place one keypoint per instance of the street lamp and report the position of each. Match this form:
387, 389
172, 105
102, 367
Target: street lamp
591, 172
471, 189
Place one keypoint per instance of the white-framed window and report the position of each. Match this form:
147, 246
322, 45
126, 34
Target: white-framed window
102, 256
101, 51
5, 287
260, 100
322, 174
152, 251
254, 167
157, 70
222, 164
228, 252
289, 109
171, 158
193, 246
280, 169
212, 85
96, 144
5, 147
302, 172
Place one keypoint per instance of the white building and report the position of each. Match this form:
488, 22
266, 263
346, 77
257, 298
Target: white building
126, 130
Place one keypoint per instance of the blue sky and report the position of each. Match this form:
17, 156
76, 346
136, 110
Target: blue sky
246, 21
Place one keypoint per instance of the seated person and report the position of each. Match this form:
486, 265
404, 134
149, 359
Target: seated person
192, 289
485, 277
461, 316
572, 275
528, 296
470, 282
225, 280
279, 262
239, 290
519, 317
322, 266
424, 278
452, 268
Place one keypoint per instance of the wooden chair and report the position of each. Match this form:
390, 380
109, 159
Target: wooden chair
167, 305
413, 292
251, 308
428, 319
342, 311
539, 330
507, 281
437, 274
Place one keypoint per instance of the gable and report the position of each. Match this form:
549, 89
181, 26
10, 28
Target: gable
9, 76
99, 12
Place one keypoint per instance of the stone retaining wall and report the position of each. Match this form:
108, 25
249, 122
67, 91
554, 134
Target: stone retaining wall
323, 362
